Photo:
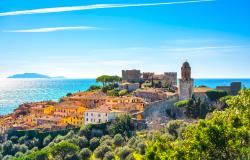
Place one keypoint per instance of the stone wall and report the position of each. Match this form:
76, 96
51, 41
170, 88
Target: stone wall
131, 75
158, 108
185, 89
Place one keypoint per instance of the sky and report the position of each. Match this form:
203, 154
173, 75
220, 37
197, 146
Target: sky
88, 38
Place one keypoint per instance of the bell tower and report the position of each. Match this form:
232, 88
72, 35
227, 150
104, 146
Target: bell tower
186, 83
186, 71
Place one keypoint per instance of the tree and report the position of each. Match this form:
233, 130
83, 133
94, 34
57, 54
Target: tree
109, 156
102, 150
23, 139
141, 147
85, 131
64, 149
38, 155
82, 142
118, 140
215, 95
18, 154
69, 94
175, 128
7, 148
121, 125
113, 92
8, 157
222, 135
106, 79
14, 139
108, 87
123, 92
94, 143
47, 140
94, 88
105, 138
125, 152
85, 153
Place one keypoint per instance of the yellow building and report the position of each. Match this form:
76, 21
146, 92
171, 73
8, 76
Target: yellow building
70, 113
73, 120
48, 110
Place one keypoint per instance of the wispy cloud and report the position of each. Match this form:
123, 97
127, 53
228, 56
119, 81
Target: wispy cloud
54, 29
203, 48
92, 7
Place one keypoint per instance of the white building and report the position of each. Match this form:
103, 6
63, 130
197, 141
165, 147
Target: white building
103, 114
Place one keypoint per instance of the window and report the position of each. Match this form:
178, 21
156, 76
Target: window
99, 120
99, 115
106, 114
87, 114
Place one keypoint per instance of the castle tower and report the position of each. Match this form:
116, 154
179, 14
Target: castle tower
186, 83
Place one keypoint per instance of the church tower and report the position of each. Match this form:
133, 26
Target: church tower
186, 83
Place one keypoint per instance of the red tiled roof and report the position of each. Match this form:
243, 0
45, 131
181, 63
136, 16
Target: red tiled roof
103, 108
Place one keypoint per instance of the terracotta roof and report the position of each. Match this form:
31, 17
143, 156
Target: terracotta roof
103, 108
68, 104
202, 89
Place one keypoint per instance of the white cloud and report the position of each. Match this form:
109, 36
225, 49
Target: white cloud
203, 48
92, 7
54, 29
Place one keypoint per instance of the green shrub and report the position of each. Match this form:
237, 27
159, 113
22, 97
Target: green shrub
182, 103
123, 92
109, 156
64, 149
101, 151
47, 140
94, 88
121, 125
125, 152
85, 153
94, 143
215, 95
118, 140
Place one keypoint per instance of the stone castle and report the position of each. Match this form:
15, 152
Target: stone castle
135, 76
186, 83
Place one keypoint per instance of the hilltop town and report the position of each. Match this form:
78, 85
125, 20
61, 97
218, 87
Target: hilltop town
150, 99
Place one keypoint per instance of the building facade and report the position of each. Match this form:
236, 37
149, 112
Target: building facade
102, 114
186, 83
171, 78
129, 86
233, 89
132, 76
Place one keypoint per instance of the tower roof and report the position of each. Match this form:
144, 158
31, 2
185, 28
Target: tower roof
185, 65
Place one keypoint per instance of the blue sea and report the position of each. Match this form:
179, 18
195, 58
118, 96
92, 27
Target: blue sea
14, 92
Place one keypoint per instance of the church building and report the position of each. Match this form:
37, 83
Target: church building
186, 83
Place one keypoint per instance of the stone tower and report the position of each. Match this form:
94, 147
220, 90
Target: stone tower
186, 83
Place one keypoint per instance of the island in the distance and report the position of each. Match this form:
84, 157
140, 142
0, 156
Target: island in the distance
32, 75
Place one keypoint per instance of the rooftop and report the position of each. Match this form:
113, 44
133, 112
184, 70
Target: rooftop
202, 89
103, 109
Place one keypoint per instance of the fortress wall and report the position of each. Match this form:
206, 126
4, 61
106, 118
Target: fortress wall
158, 108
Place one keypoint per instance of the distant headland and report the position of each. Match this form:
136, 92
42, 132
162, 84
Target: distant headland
32, 75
